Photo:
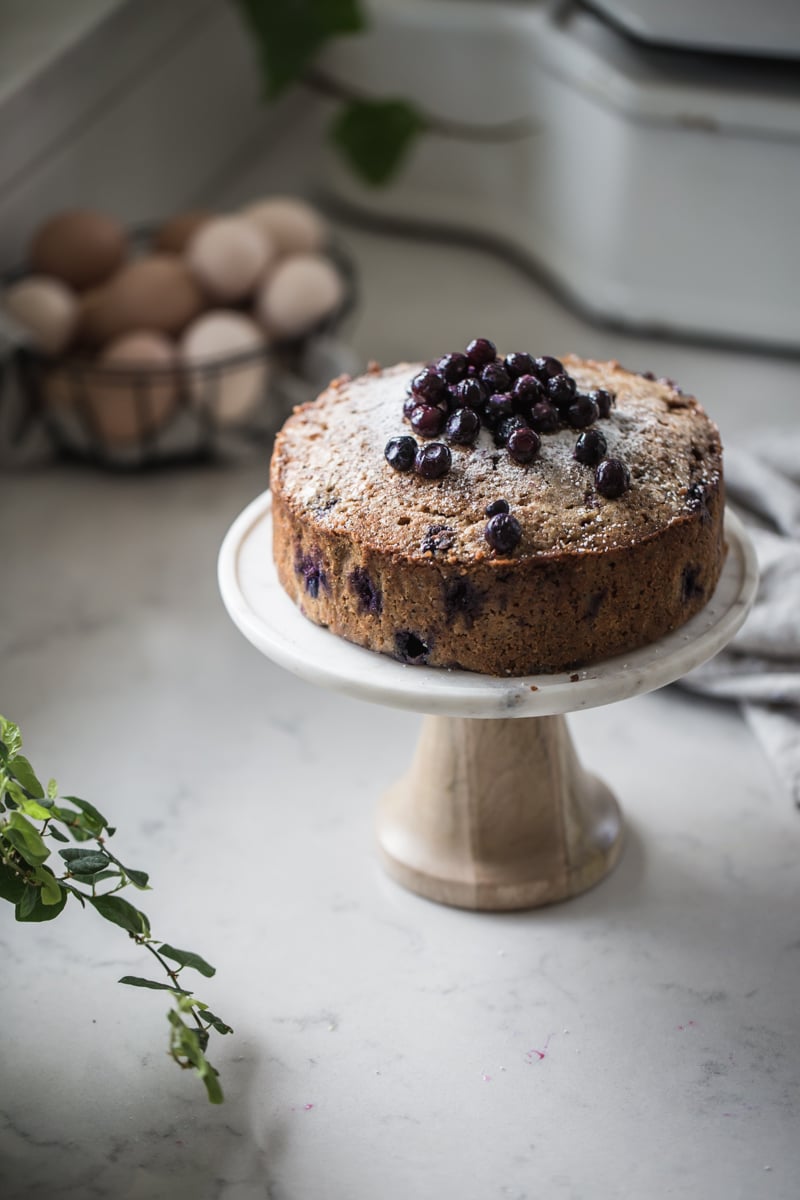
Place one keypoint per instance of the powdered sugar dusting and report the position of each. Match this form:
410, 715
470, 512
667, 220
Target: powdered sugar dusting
334, 465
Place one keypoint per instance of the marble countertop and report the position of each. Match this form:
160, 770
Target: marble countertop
639, 1041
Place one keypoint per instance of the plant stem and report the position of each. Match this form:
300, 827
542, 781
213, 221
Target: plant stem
501, 131
174, 977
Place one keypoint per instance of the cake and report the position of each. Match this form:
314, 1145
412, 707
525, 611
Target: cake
507, 516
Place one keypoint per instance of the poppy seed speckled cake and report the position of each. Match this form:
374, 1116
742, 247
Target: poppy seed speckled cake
508, 515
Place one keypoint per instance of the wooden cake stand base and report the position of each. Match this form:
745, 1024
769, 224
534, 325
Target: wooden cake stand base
496, 811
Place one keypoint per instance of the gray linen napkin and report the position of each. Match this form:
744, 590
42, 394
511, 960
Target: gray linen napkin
761, 666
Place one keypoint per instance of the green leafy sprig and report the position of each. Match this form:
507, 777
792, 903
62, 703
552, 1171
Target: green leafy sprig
373, 134
31, 815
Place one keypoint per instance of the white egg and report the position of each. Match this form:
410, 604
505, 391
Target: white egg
292, 225
299, 293
230, 391
228, 256
47, 308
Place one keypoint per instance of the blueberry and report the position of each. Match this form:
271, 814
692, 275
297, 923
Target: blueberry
433, 461
481, 351
410, 648
604, 400
313, 573
463, 427
612, 478
452, 367
527, 391
523, 445
429, 386
582, 412
546, 367
399, 453
590, 447
561, 389
503, 533
544, 417
470, 393
508, 426
409, 404
496, 506
368, 595
497, 407
495, 378
427, 420
520, 364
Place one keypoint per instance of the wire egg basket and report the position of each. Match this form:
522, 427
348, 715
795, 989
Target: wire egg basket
123, 417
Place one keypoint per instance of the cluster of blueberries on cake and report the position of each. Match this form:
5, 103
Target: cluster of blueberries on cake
518, 399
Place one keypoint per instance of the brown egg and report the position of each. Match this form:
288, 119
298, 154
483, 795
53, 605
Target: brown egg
230, 392
80, 247
157, 293
175, 234
134, 392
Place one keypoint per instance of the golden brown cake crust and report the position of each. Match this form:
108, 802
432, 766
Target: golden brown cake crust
400, 564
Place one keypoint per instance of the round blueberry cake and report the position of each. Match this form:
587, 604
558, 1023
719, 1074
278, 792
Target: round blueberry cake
508, 515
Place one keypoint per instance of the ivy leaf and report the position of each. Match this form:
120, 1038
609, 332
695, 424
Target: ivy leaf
32, 907
289, 34
50, 890
121, 913
93, 820
376, 135
137, 981
11, 886
217, 1022
25, 840
22, 770
186, 958
85, 862
57, 834
10, 736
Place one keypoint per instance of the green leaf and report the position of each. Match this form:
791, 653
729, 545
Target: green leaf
94, 818
22, 770
85, 862
28, 902
120, 912
10, 736
25, 840
11, 886
289, 34
137, 981
32, 808
51, 892
36, 909
57, 834
216, 1022
52, 789
376, 135
139, 879
186, 958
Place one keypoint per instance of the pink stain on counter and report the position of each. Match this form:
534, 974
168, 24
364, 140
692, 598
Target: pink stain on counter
537, 1055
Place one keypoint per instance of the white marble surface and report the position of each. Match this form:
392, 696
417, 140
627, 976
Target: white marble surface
640, 1041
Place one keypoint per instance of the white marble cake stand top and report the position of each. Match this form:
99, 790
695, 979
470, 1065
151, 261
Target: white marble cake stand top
266, 616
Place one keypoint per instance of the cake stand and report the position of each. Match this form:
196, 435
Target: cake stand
496, 811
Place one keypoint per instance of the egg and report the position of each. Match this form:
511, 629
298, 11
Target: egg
301, 291
135, 392
158, 292
292, 225
46, 308
228, 256
176, 233
80, 247
232, 391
